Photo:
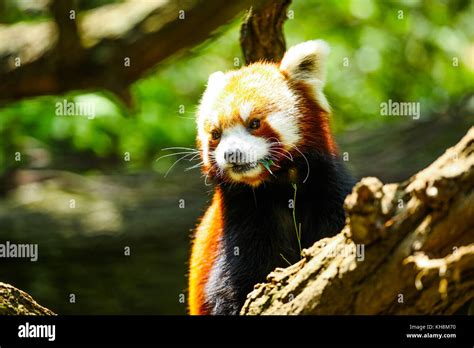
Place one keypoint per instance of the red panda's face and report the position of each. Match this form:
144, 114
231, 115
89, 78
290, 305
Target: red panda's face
251, 119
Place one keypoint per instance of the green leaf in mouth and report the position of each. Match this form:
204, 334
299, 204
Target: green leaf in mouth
266, 162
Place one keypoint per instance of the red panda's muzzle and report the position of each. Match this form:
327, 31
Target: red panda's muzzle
251, 160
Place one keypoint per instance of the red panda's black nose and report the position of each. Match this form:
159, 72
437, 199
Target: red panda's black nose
234, 156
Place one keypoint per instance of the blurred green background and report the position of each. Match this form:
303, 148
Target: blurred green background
408, 51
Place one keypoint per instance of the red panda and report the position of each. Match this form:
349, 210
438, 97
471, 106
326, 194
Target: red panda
264, 136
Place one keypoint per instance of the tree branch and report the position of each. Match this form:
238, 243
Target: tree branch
68, 49
418, 242
14, 301
261, 33
39, 59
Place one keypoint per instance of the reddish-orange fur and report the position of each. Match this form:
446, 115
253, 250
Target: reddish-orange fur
315, 134
315, 126
204, 250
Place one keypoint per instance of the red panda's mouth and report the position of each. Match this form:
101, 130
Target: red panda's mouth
241, 168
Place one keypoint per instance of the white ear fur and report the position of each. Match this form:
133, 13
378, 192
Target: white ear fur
215, 84
306, 62
216, 80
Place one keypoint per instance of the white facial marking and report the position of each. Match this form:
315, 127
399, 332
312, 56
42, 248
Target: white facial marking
286, 125
227, 102
245, 110
214, 117
251, 147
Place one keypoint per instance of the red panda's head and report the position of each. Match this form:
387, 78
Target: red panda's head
254, 120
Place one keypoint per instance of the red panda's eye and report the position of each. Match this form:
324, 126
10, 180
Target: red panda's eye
215, 134
255, 124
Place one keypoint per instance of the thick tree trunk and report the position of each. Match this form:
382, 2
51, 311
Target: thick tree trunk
406, 248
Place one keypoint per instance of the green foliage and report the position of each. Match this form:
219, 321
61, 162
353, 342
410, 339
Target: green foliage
399, 50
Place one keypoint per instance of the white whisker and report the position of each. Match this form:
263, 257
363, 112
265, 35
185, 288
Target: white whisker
194, 157
174, 154
179, 160
180, 148
274, 151
307, 162
194, 166
278, 142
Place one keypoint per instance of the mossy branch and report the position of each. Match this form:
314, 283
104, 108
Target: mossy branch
14, 301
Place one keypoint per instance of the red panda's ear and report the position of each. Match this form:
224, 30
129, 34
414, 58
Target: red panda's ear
216, 80
215, 83
306, 62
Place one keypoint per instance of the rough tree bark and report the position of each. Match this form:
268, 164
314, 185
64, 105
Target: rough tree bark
418, 241
261, 33
17, 302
